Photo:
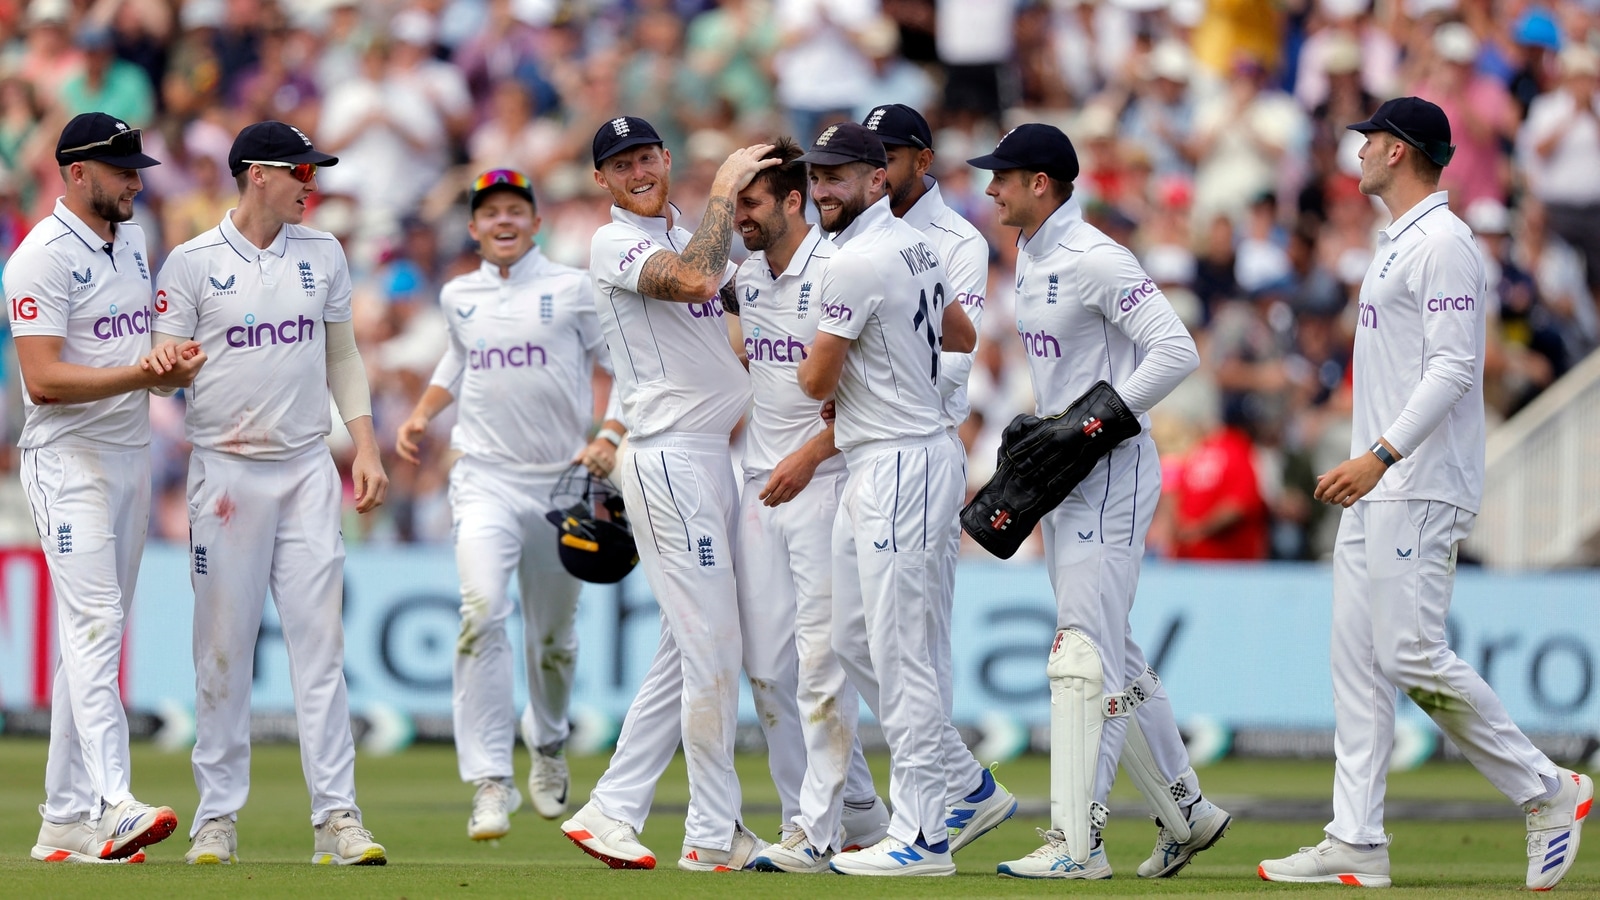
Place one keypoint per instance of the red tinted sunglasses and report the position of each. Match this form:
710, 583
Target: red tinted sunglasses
301, 172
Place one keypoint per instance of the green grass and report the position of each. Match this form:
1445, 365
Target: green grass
417, 808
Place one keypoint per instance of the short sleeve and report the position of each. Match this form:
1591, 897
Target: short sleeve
338, 308
617, 256
37, 293
176, 303
850, 294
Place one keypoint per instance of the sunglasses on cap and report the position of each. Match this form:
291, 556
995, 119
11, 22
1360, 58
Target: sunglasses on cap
301, 172
1437, 151
508, 177
123, 143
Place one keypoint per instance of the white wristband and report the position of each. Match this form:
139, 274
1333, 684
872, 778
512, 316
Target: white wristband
610, 434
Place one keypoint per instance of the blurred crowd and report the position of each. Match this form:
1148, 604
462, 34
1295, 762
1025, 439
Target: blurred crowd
1211, 134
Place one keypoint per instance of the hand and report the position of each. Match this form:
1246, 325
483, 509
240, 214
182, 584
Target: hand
740, 168
599, 457
789, 478
405, 440
1350, 480
372, 485
174, 365
827, 411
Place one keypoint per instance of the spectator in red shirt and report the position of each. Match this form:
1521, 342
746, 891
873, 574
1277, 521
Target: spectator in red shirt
1217, 508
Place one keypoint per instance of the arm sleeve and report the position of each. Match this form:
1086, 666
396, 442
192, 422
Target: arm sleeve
968, 275
1451, 270
850, 294
447, 374
1120, 290
347, 377
176, 305
617, 255
37, 294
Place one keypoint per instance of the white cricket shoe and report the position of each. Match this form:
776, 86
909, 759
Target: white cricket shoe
1208, 822
795, 854
492, 807
547, 785
1053, 861
1554, 827
612, 842
966, 820
216, 843
864, 827
73, 842
741, 855
130, 826
1330, 862
343, 841
893, 857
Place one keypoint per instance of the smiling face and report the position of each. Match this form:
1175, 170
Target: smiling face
844, 192
504, 225
638, 179
759, 217
1018, 198
111, 190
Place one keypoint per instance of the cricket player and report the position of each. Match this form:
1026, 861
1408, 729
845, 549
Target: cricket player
1410, 493
659, 293
78, 295
1086, 312
886, 314
914, 196
524, 343
272, 299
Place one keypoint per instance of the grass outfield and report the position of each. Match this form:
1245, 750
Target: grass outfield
418, 809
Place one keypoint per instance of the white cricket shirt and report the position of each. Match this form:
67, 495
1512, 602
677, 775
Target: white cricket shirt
260, 315
673, 365
885, 291
521, 353
778, 313
1087, 312
1418, 365
964, 253
64, 281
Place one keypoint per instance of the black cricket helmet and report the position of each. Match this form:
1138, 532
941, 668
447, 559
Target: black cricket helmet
593, 537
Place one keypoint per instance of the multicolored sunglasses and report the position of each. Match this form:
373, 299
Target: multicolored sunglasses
507, 177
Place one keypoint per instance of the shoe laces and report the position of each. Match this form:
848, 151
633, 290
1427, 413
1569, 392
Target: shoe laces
795, 840
1054, 843
492, 797
548, 774
213, 827
348, 826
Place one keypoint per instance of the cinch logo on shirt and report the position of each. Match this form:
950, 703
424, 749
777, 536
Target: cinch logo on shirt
633, 253
1133, 296
1441, 303
706, 310
496, 358
783, 348
222, 288
289, 331
1038, 343
117, 325
1369, 314
966, 299
837, 311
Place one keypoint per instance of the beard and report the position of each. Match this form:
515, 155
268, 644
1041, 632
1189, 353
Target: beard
108, 206
849, 210
650, 208
900, 193
766, 234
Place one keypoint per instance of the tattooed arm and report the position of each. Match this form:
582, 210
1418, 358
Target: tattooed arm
696, 274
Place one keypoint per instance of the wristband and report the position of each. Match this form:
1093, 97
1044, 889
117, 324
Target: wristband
610, 434
1383, 454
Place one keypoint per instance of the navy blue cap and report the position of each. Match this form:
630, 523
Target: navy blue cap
274, 142
1415, 121
899, 125
1035, 148
622, 133
846, 142
97, 136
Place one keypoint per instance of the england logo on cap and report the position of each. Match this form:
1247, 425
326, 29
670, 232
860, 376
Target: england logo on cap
620, 125
822, 141
302, 135
875, 118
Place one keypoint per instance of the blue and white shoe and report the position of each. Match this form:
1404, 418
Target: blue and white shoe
978, 813
1207, 824
1554, 826
1053, 861
894, 857
795, 854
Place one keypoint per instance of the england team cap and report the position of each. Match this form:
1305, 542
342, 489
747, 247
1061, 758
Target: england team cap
899, 125
622, 133
95, 135
274, 142
846, 142
1415, 121
1033, 147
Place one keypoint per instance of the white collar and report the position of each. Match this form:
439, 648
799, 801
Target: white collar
873, 216
1053, 230
246, 248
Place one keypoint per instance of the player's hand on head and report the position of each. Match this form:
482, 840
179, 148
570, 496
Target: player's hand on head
740, 168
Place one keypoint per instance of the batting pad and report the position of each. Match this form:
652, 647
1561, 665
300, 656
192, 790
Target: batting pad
1076, 714
1137, 758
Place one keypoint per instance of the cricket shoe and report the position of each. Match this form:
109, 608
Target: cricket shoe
492, 807
864, 827
795, 853
612, 842
548, 784
741, 855
73, 842
1208, 822
130, 826
1554, 826
1053, 861
343, 841
895, 857
1330, 862
216, 843
978, 813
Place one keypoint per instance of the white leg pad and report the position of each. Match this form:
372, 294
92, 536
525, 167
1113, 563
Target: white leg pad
1163, 797
1076, 716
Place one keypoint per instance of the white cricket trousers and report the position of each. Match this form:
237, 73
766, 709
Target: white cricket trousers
1093, 547
893, 527
1393, 573
807, 708
683, 505
256, 526
91, 507
963, 772
501, 530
